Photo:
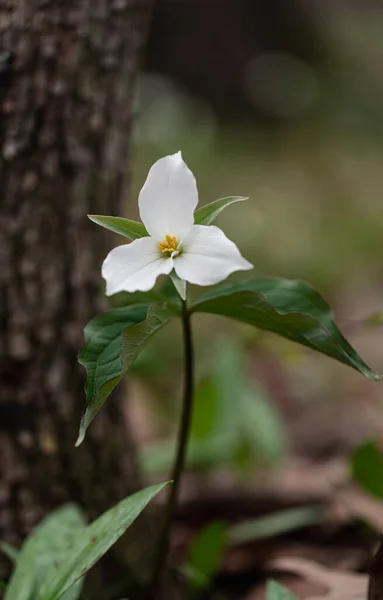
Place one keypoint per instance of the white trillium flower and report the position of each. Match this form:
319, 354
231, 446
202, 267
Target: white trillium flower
198, 254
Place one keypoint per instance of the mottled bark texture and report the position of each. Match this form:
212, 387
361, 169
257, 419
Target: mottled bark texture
67, 80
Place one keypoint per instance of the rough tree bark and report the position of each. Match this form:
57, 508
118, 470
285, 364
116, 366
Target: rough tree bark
67, 78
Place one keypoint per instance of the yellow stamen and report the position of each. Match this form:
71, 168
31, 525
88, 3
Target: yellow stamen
170, 245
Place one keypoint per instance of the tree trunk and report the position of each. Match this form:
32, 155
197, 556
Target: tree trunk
67, 79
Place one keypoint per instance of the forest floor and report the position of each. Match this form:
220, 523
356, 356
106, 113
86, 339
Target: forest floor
312, 523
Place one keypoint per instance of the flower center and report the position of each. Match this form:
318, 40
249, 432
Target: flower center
169, 245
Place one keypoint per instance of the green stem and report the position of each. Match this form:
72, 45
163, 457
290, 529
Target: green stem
160, 559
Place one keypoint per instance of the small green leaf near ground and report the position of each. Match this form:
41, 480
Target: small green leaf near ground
92, 543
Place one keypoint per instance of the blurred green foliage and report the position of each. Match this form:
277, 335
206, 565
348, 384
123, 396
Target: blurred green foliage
313, 174
275, 524
205, 555
314, 177
210, 544
367, 468
233, 421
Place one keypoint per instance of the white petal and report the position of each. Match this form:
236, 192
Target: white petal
135, 266
208, 256
168, 198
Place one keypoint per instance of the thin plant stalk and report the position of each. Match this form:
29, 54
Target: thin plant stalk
162, 550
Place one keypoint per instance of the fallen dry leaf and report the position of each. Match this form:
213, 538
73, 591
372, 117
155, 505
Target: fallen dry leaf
340, 585
351, 501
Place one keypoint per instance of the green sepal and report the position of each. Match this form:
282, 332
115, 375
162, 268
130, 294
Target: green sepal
179, 284
206, 214
133, 230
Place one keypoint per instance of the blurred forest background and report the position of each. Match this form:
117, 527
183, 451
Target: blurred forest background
280, 101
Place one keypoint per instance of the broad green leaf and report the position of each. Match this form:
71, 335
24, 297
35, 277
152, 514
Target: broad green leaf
367, 468
9, 551
112, 341
205, 554
75, 590
129, 229
206, 214
42, 550
124, 299
275, 524
100, 355
134, 338
165, 292
276, 591
23, 582
291, 309
2, 585
92, 543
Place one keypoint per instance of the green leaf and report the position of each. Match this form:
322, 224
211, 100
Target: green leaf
2, 585
42, 550
100, 355
367, 468
112, 341
205, 554
134, 338
124, 299
129, 229
9, 551
75, 590
276, 591
206, 214
165, 292
92, 543
291, 309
